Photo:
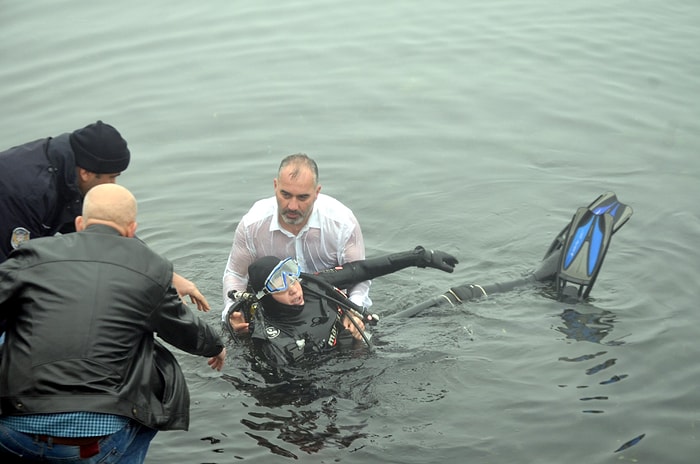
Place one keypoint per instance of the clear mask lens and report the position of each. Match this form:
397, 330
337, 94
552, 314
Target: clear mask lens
282, 276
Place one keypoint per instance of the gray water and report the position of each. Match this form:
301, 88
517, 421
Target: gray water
474, 127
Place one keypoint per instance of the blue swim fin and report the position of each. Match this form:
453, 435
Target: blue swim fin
605, 203
608, 203
582, 244
583, 251
573, 259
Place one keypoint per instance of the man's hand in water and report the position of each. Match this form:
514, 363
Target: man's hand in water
238, 323
349, 326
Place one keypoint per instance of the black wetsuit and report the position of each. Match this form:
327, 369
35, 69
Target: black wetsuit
292, 335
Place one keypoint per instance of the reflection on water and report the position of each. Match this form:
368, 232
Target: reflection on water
293, 392
310, 410
588, 327
594, 328
630, 443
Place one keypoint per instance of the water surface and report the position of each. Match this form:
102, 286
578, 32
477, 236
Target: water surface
473, 127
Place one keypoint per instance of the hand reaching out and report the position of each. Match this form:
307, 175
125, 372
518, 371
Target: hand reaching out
186, 287
217, 362
436, 259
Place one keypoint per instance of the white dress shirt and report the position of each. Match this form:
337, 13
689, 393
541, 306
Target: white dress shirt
331, 237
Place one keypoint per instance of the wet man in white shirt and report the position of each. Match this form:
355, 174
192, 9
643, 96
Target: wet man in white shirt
299, 221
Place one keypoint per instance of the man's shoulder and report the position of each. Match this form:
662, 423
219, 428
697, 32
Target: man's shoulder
332, 208
20, 150
261, 210
331, 202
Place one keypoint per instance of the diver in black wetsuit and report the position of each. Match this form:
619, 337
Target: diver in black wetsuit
294, 317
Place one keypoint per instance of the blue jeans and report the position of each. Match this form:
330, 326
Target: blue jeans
129, 445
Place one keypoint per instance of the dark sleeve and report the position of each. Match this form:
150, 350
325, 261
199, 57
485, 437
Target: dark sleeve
351, 273
10, 284
67, 228
176, 324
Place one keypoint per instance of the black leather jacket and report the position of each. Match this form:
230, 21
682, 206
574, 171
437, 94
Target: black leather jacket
38, 190
82, 310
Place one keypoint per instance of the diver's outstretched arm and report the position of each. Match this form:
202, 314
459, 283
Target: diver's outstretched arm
350, 273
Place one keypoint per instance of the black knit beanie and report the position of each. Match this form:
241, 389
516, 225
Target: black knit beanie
99, 148
259, 270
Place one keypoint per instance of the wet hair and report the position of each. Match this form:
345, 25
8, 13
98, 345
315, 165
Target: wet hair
298, 160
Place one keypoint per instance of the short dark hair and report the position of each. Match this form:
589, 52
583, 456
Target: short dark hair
299, 159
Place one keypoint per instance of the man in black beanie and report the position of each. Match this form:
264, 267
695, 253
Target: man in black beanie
100, 149
43, 182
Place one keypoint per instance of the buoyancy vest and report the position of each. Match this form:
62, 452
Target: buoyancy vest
293, 335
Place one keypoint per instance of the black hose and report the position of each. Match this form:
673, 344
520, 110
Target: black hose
344, 306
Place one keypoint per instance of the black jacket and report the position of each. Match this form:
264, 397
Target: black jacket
82, 310
38, 191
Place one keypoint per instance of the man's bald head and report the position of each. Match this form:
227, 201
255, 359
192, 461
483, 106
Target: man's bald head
109, 204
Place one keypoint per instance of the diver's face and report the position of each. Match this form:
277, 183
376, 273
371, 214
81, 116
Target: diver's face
293, 296
296, 192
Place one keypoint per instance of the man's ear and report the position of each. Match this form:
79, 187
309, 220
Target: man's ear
131, 230
79, 223
84, 180
84, 174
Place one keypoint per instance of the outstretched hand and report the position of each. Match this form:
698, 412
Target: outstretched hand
217, 362
436, 259
185, 287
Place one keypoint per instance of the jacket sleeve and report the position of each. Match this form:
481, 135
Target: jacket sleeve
176, 324
357, 271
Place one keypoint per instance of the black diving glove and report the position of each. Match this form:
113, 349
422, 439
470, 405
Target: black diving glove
435, 258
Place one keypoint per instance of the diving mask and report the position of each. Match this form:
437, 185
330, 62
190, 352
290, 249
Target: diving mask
282, 276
